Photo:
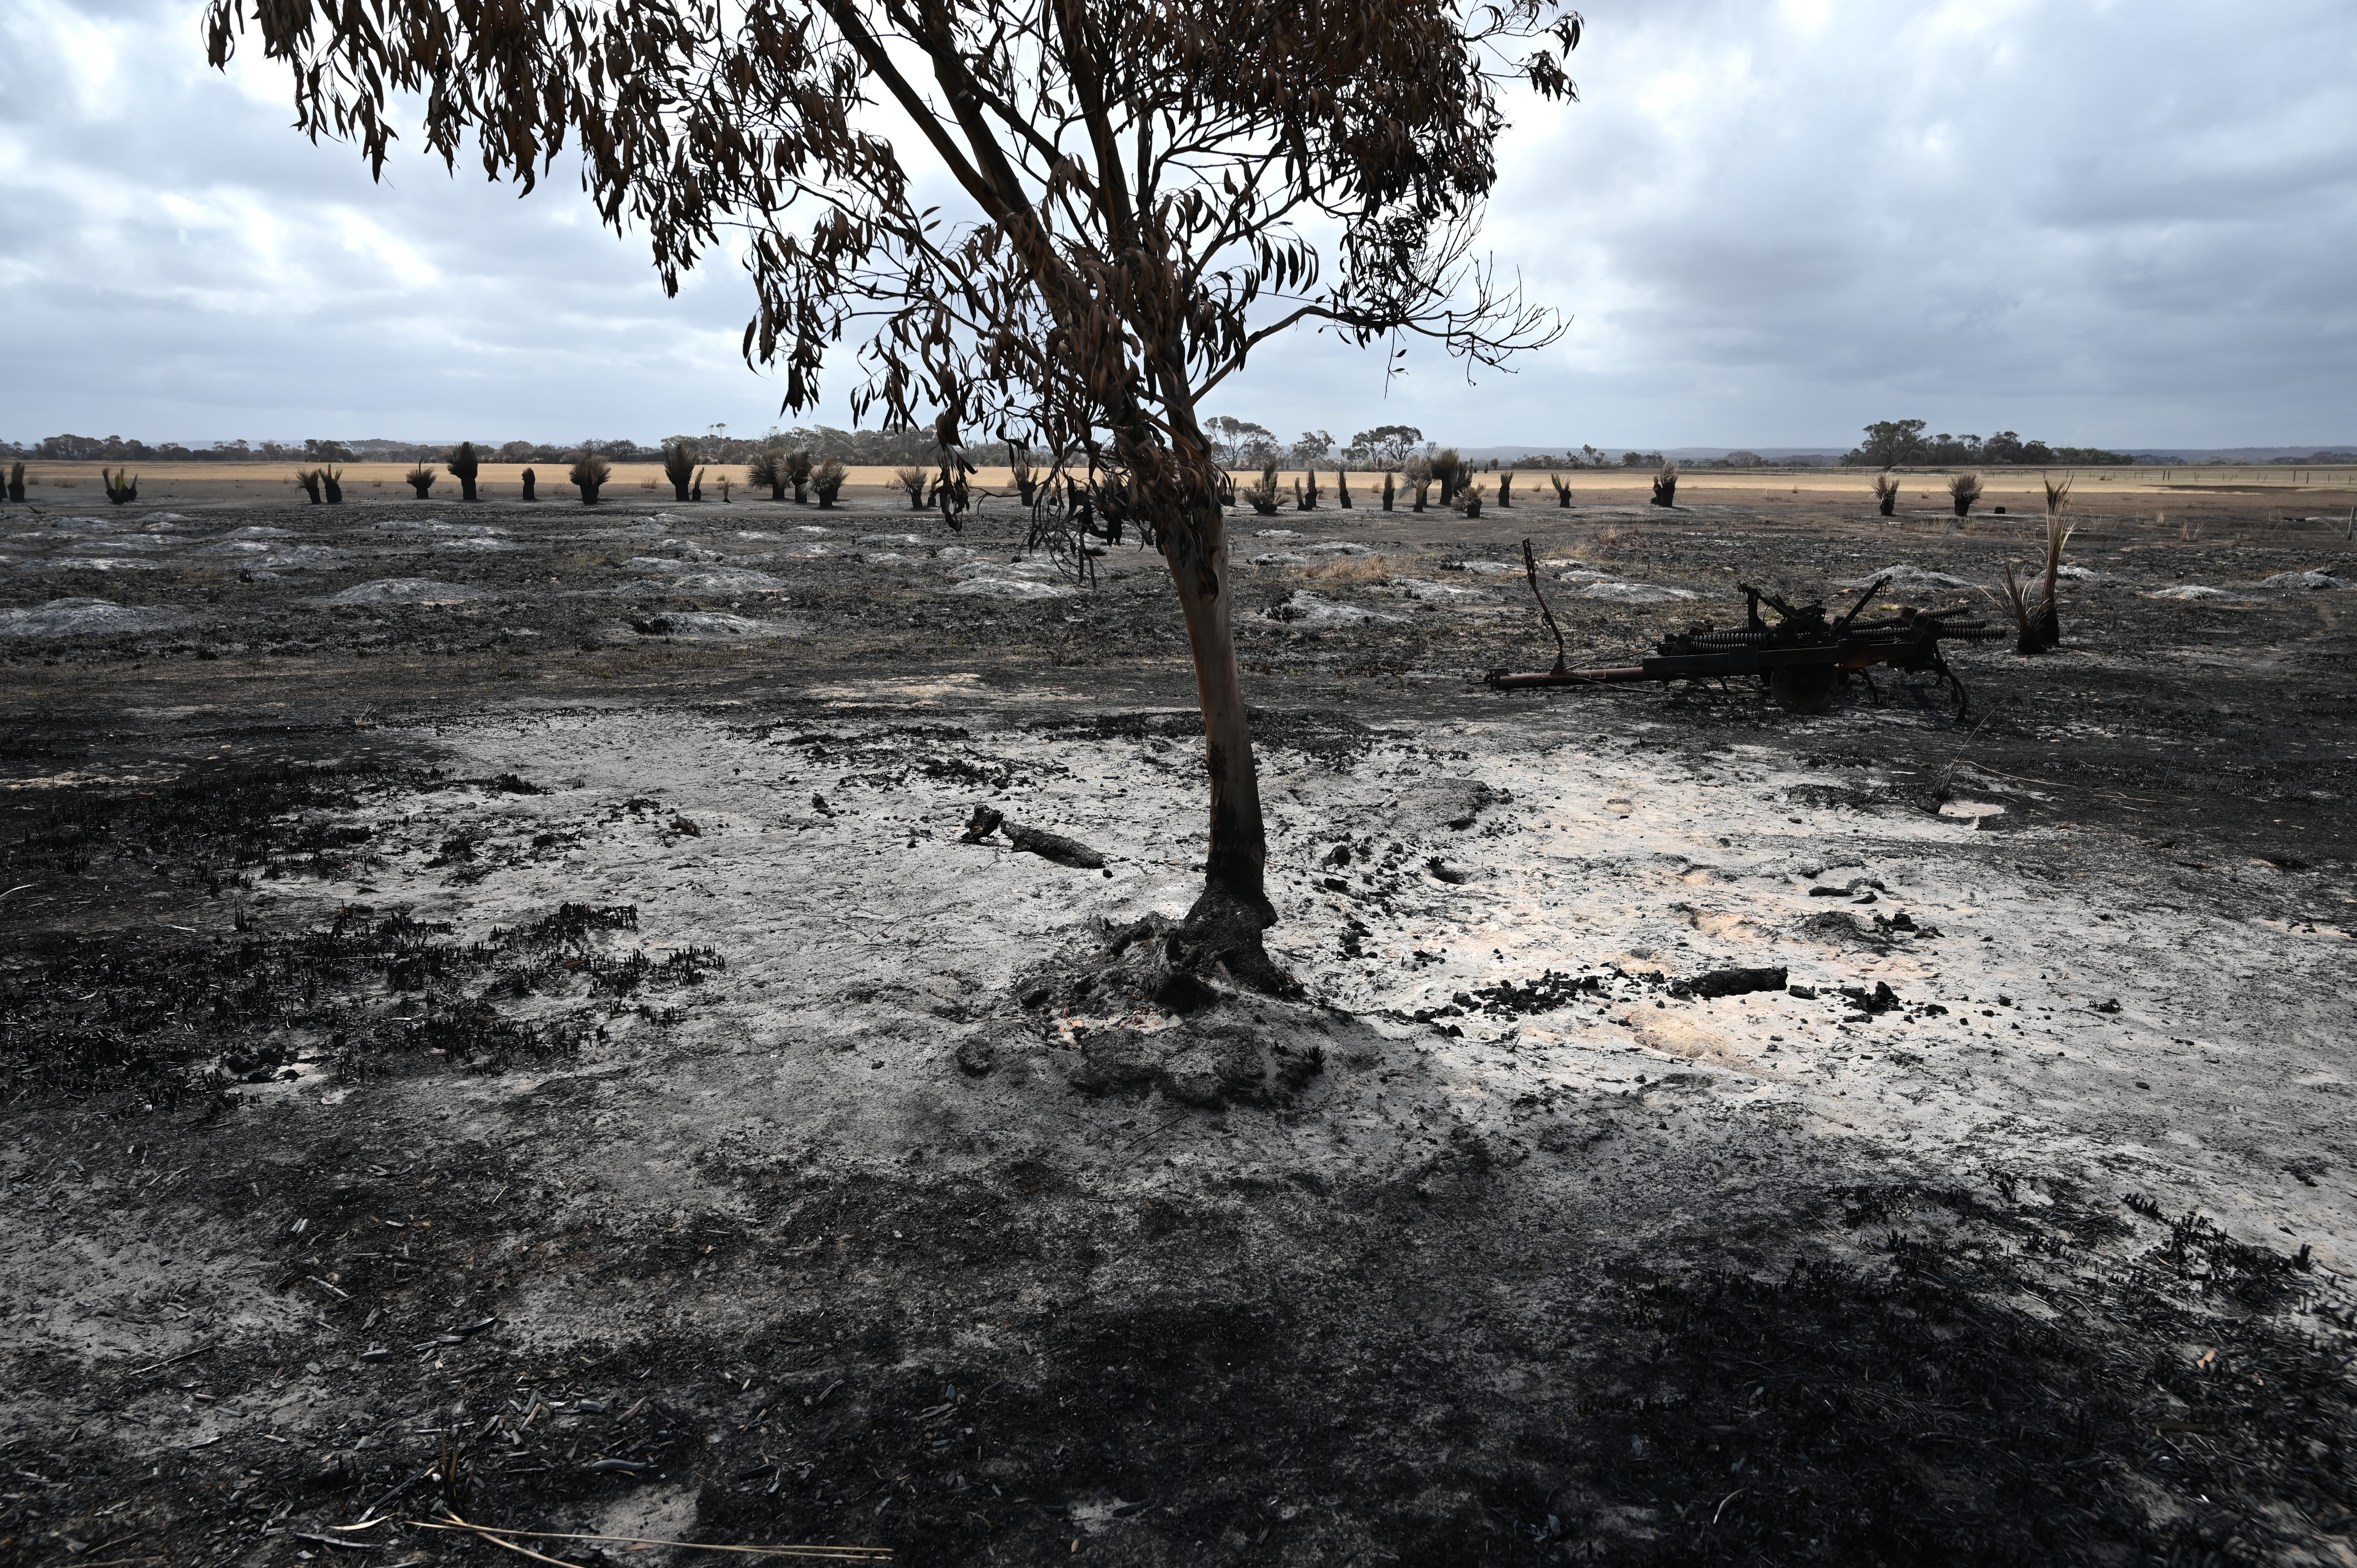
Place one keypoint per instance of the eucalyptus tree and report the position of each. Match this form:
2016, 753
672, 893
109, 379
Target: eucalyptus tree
1062, 223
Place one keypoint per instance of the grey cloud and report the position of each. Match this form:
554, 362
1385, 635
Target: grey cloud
2099, 224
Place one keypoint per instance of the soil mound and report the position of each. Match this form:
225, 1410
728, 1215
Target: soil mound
1134, 1013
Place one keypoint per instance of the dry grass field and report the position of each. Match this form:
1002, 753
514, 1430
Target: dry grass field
2017, 491
500, 1015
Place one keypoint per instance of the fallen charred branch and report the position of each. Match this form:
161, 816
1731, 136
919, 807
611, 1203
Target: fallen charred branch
1803, 658
1031, 841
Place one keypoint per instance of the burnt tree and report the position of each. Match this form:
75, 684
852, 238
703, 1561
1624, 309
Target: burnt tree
1134, 189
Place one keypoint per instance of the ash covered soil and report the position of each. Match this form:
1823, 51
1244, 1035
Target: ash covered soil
501, 1018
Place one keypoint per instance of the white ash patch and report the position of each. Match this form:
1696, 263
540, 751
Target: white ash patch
888, 558
1428, 592
1634, 592
1281, 558
692, 579
99, 564
892, 541
701, 626
475, 544
988, 587
1277, 534
2190, 591
404, 591
435, 525
1022, 566
1480, 568
65, 617
2312, 581
1302, 607
1579, 859
115, 541
1901, 578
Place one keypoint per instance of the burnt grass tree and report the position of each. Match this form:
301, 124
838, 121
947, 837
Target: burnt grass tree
827, 480
1964, 489
678, 467
463, 465
1451, 472
16, 481
307, 480
531, 484
421, 480
1136, 192
1886, 493
332, 480
767, 466
588, 475
122, 485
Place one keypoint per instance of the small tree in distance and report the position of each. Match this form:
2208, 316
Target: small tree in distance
1137, 189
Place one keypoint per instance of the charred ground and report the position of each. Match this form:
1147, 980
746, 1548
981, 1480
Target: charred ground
400, 1090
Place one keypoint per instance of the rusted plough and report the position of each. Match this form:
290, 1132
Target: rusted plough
1802, 656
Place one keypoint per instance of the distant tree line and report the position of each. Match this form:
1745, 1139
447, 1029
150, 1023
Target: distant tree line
1892, 443
715, 445
1899, 443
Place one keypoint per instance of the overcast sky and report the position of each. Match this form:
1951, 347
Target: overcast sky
1772, 221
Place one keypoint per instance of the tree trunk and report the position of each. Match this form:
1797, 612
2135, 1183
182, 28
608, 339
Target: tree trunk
1226, 923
